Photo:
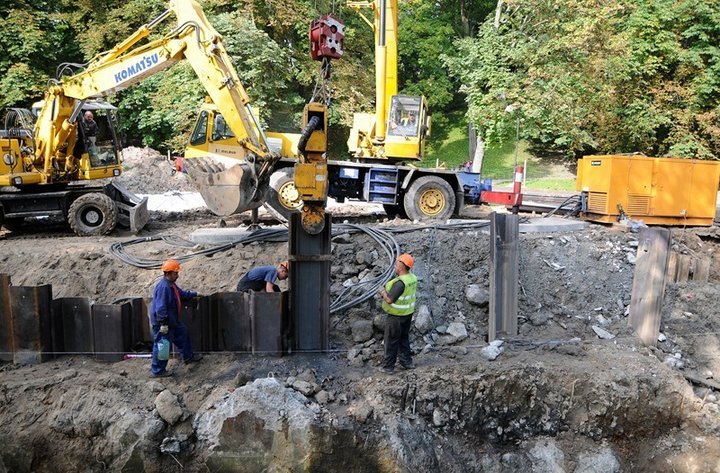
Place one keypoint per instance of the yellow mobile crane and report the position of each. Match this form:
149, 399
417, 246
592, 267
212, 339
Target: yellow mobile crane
42, 161
400, 124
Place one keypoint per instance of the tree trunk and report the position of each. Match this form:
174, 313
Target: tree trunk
479, 154
498, 14
464, 19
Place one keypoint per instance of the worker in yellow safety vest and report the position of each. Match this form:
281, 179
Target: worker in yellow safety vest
398, 302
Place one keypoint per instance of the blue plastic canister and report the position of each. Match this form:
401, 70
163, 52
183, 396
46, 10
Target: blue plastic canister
163, 349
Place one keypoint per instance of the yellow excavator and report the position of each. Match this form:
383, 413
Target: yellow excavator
44, 159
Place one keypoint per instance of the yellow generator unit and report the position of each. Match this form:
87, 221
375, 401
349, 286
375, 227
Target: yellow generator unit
658, 191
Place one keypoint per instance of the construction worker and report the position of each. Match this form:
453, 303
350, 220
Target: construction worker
398, 302
165, 318
262, 278
91, 130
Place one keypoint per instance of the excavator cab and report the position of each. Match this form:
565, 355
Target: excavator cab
98, 140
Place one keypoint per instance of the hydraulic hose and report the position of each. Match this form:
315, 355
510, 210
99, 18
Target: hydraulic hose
312, 125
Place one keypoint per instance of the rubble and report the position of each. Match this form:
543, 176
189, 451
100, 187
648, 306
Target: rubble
556, 398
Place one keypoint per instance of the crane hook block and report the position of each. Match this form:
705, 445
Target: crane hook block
326, 38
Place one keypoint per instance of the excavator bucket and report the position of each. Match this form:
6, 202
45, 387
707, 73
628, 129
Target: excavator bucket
132, 211
226, 191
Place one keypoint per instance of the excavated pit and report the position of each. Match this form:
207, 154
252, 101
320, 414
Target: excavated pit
554, 399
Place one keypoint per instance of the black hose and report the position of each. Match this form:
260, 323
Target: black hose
313, 123
349, 297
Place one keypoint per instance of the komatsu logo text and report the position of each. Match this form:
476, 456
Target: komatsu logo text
141, 65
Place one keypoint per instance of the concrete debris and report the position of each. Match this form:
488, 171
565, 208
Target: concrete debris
674, 361
493, 350
602, 333
439, 418
307, 389
362, 330
343, 238
423, 320
360, 411
170, 445
458, 331
322, 397
554, 265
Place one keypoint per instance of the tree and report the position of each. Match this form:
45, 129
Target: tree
33, 36
597, 76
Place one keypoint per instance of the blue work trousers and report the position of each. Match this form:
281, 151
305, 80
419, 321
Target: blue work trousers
179, 337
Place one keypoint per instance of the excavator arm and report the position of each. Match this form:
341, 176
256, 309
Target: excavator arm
196, 41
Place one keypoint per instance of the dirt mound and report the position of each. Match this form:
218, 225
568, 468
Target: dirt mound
556, 398
145, 171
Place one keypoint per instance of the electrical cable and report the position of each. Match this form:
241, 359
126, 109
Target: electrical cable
571, 199
349, 297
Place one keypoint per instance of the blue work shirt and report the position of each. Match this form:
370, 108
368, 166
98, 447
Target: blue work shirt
262, 273
165, 307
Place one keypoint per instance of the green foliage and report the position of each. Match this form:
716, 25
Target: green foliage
449, 146
423, 37
33, 37
597, 77
551, 184
581, 76
18, 83
448, 142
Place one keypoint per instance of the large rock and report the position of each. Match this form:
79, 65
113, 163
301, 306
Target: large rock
457, 330
168, 407
264, 426
603, 461
362, 331
423, 320
477, 295
546, 457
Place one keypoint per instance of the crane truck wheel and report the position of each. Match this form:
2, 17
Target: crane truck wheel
92, 214
393, 211
429, 197
283, 196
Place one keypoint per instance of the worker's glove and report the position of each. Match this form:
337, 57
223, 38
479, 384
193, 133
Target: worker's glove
164, 329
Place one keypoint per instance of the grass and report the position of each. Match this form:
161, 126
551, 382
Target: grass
551, 184
448, 145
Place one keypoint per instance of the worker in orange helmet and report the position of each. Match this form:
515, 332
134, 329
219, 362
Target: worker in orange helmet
165, 318
262, 278
398, 302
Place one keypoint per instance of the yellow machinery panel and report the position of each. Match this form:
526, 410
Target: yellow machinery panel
658, 191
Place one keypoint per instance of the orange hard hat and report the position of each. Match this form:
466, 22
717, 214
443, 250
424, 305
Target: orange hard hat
407, 260
171, 265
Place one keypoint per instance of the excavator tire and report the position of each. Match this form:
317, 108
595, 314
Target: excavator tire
282, 194
429, 197
92, 215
